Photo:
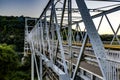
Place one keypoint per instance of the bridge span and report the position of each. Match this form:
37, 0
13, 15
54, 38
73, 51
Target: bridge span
68, 51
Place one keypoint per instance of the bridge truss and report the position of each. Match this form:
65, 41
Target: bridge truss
57, 31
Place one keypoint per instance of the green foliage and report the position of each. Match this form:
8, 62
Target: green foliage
74, 32
19, 75
8, 61
10, 66
107, 37
12, 31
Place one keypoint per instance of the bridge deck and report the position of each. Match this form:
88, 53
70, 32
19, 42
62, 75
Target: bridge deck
84, 64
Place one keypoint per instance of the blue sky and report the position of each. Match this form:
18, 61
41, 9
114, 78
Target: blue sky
21, 7
33, 8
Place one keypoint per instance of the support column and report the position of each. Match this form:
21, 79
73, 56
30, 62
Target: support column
32, 66
70, 34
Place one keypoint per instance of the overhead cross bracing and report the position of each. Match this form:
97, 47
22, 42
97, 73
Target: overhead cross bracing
61, 43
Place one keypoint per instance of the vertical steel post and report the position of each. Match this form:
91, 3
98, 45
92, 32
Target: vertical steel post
70, 34
42, 38
82, 36
40, 46
32, 65
52, 33
77, 35
34, 59
25, 40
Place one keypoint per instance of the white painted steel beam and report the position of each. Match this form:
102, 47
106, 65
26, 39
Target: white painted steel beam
80, 55
42, 46
93, 35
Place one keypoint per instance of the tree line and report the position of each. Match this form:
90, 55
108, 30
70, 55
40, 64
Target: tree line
12, 31
11, 42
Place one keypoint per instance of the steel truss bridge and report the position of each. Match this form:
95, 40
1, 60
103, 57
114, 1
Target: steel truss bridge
61, 50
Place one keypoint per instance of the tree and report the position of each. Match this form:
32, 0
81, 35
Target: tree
10, 67
8, 60
12, 31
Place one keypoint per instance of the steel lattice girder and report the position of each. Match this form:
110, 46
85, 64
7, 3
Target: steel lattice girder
92, 33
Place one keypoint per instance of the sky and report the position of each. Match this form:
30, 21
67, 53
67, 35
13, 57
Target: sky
34, 8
